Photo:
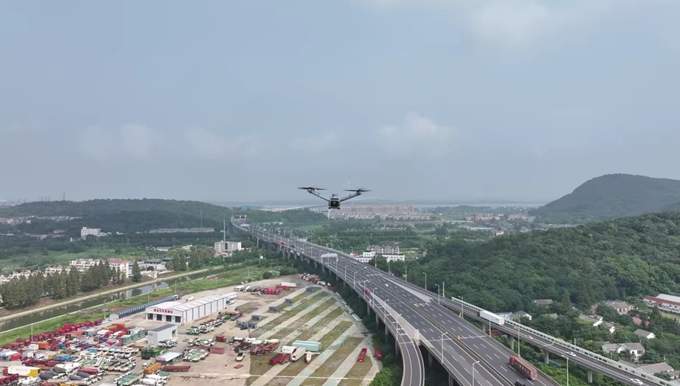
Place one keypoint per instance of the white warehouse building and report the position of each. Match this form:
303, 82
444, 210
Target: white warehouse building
181, 312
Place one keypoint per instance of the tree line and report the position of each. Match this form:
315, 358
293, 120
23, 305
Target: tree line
26, 291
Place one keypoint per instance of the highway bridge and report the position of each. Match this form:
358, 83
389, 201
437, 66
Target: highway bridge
418, 318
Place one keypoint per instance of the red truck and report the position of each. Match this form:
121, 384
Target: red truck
279, 359
523, 367
362, 355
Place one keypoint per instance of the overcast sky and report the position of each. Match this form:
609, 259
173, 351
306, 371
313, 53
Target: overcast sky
416, 99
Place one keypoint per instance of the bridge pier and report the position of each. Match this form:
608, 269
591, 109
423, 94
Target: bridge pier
429, 359
590, 376
377, 320
547, 357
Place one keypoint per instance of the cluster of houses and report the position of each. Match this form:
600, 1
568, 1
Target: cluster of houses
390, 252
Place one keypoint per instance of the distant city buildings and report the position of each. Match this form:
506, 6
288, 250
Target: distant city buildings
183, 230
384, 212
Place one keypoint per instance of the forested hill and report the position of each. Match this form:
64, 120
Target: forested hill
139, 215
589, 263
612, 196
110, 206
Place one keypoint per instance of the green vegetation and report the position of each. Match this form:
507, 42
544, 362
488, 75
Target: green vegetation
27, 291
582, 265
46, 238
611, 196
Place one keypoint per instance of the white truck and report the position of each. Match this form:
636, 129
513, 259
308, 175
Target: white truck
491, 317
298, 353
329, 255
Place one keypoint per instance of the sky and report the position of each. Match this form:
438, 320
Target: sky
448, 100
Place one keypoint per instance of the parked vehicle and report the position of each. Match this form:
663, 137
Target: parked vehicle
240, 356
362, 355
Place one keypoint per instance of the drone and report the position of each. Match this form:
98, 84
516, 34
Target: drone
334, 200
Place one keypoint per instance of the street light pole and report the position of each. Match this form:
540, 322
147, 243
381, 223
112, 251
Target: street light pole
473, 372
567, 371
425, 273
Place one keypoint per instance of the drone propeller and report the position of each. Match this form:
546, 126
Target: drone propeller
309, 188
360, 190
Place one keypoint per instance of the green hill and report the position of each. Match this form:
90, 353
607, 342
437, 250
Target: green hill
589, 263
139, 215
612, 196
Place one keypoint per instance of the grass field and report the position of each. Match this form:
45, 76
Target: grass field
299, 323
308, 333
334, 334
332, 363
357, 373
301, 305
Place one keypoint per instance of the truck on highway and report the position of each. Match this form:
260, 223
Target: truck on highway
523, 367
490, 316
325, 255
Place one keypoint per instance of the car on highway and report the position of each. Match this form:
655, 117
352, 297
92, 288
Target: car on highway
636, 381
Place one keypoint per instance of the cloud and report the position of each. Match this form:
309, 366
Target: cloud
316, 143
417, 135
514, 24
130, 141
210, 144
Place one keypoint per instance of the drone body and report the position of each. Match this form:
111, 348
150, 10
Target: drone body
334, 200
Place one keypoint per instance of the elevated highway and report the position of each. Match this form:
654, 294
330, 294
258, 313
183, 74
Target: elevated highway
416, 317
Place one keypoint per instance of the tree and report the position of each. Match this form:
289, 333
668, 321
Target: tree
136, 272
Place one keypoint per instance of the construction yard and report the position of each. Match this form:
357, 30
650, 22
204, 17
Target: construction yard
270, 332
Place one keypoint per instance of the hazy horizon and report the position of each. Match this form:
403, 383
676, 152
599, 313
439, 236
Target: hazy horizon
428, 100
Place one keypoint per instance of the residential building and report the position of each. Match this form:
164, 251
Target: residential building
658, 368
386, 249
152, 265
227, 248
368, 254
610, 327
392, 257
621, 307
644, 334
83, 265
121, 265
365, 257
634, 350
55, 269
664, 302
593, 320
95, 232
